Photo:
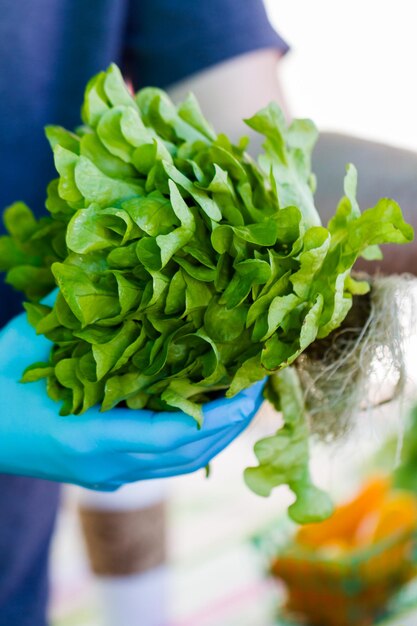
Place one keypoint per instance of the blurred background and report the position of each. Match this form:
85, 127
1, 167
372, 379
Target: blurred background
351, 69
351, 66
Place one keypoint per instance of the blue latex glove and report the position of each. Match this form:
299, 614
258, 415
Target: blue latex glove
102, 450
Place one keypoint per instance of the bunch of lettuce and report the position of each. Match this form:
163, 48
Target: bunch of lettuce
184, 268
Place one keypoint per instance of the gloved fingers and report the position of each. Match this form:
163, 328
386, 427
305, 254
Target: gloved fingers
163, 436
203, 460
234, 410
126, 430
147, 431
189, 459
128, 467
95, 457
186, 453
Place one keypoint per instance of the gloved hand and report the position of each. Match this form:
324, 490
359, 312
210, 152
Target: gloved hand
102, 450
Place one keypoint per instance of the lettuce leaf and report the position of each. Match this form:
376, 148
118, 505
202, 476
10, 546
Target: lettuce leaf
284, 457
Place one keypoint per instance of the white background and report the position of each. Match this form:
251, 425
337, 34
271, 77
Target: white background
352, 65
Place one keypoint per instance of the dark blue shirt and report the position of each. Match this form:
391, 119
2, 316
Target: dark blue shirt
50, 48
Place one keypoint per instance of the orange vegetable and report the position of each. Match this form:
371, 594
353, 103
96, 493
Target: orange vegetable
398, 513
343, 524
346, 575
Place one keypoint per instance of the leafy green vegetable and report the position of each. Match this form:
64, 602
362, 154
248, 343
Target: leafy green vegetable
186, 269
283, 457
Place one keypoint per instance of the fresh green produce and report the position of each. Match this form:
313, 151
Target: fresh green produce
185, 269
